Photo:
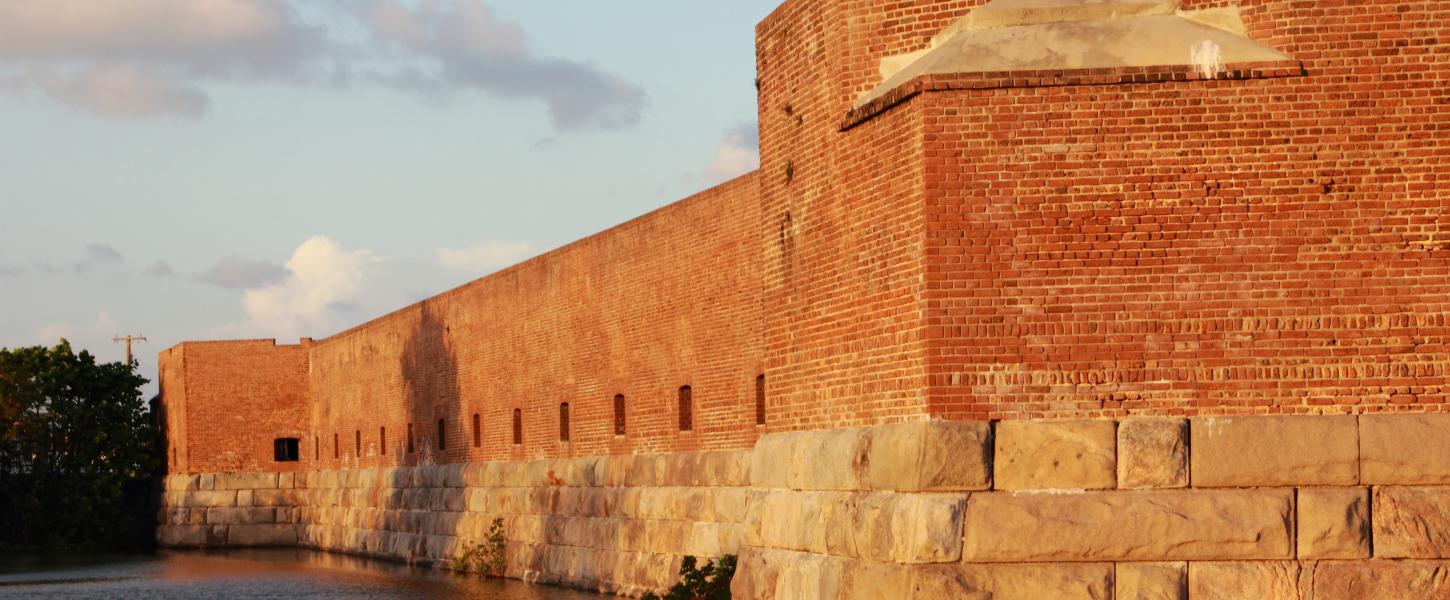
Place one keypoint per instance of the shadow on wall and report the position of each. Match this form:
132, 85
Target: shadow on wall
430, 384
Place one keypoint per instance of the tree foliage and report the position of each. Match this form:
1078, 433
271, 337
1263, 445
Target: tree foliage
711, 582
77, 450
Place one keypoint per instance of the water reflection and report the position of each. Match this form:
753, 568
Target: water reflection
289, 573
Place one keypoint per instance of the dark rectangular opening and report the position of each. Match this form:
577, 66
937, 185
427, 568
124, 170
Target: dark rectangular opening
759, 399
564, 422
619, 414
518, 427
442, 442
383, 441
410, 438
286, 450
357, 442
477, 432
336, 449
687, 408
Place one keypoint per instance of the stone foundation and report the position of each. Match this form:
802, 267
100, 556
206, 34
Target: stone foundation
1227, 507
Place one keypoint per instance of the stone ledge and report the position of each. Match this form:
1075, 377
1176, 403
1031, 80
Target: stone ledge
1272, 451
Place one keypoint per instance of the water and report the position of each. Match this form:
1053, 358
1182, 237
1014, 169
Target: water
249, 574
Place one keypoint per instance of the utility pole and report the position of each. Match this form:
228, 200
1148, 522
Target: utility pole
128, 339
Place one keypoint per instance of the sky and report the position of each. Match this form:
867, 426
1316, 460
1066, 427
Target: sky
219, 169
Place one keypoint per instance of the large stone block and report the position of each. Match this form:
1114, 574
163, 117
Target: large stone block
1152, 453
246, 481
204, 499
930, 456
1055, 455
1273, 451
1151, 581
231, 516
182, 536
1273, 580
770, 462
1381, 580
1411, 522
1405, 449
830, 460
1079, 581
1333, 523
1165, 525
262, 535
810, 577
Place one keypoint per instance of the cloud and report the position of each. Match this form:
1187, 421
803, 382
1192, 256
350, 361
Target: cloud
323, 279
160, 270
98, 255
235, 272
150, 58
486, 257
738, 153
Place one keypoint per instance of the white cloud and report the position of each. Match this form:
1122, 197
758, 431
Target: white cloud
738, 153
486, 257
323, 279
148, 58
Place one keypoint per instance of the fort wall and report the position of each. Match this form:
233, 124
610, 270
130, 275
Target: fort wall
1333, 507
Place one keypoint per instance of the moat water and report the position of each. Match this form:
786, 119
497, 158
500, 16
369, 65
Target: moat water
248, 574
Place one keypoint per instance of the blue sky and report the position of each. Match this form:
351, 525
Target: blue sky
199, 169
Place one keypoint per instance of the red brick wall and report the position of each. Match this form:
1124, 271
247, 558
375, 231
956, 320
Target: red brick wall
666, 300
227, 402
1262, 246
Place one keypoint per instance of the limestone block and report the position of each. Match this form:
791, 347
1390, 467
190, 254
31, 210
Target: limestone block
182, 536
810, 577
1130, 526
1411, 522
1080, 581
1405, 449
1333, 523
730, 504
209, 499
1152, 453
930, 456
181, 483
792, 521
1381, 580
286, 481
1271, 451
230, 516
645, 471
1056, 455
1271, 580
262, 535
927, 528
771, 461
206, 481
1151, 581
830, 460
453, 475
725, 469
278, 497
868, 580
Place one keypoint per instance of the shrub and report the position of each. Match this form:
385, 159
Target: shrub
488, 558
712, 582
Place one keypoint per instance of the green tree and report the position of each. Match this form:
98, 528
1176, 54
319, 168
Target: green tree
77, 450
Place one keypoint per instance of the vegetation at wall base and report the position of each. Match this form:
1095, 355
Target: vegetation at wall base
711, 582
489, 558
78, 455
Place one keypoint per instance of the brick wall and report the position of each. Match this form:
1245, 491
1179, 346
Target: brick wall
1276, 245
663, 301
227, 402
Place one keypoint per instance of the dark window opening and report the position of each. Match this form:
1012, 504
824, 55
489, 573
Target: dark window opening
316, 448
383, 440
410, 438
477, 432
518, 427
285, 450
619, 414
442, 443
687, 406
564, 422
759, 399
357, 442
336, 450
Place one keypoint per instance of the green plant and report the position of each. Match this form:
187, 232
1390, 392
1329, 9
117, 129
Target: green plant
711, 582
488, 558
